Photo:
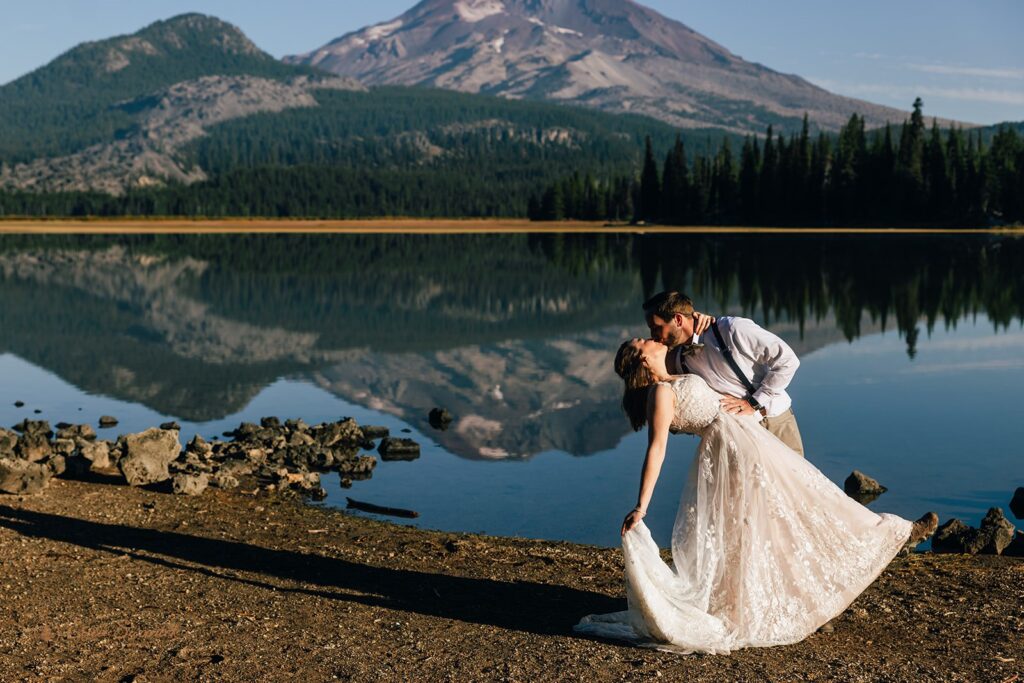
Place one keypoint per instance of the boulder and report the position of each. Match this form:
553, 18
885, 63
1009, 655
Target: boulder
64, 446
57, 465
76, 432
190, 484
398, 449
33, 446
21, 477
28, 427
8, 440
1017, 504
107, 421
862, 488
97, 453
995, 534
359, 467
955, 537
270, 422
297, 425
346, 431
440, 418
171, 426
199, 446
19, 404
147, 455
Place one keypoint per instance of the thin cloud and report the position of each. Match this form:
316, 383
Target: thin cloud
1015, 74
908, 92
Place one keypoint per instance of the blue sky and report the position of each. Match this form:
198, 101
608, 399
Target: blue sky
966, 60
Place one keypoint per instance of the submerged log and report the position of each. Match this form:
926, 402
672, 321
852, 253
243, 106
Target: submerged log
377, 509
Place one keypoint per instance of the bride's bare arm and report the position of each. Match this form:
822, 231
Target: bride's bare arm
659, 417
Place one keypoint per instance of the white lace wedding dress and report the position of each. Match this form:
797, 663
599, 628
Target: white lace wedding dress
765, 548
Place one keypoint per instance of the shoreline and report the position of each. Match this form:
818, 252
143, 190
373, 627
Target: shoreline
156, 226
113, 583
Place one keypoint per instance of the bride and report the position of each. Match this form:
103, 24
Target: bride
765, 548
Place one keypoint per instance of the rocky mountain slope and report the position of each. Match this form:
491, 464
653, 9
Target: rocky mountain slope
115, 114
615, 55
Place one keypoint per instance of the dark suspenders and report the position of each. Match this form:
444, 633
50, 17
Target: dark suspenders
732, 361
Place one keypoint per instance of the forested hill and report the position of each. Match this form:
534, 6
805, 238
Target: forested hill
83, 97
386, 151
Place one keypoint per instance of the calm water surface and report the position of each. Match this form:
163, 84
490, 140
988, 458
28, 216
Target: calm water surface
911, 355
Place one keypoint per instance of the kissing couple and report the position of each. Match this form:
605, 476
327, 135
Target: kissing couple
765, 548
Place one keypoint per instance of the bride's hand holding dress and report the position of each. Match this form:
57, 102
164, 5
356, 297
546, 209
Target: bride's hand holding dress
765, 548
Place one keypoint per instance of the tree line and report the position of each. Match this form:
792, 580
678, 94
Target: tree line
907, 176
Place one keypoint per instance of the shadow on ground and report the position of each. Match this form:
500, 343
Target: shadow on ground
525, 606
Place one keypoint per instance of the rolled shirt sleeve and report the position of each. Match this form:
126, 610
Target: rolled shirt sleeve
773, 361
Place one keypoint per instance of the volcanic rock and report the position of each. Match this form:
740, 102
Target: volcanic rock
147, 456
398, 449
190, 484
21, 477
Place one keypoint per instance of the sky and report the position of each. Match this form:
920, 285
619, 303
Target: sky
965, 60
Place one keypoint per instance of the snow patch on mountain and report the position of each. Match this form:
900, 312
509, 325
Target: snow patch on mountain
478, 10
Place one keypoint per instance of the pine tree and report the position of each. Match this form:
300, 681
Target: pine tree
650, 187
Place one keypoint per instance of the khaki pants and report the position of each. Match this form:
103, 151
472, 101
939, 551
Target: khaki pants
784, 426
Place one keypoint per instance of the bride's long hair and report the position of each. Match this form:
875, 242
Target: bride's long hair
629, 365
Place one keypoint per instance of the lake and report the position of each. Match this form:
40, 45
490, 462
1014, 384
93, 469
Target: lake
912, 352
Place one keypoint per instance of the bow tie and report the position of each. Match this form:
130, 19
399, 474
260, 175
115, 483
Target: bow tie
691, 349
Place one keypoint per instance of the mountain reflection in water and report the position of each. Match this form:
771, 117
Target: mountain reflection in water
513, 334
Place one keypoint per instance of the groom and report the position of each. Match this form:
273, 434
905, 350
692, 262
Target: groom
767, 364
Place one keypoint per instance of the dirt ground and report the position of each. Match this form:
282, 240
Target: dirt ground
106, 583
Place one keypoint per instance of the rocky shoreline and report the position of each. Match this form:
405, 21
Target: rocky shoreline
112, 582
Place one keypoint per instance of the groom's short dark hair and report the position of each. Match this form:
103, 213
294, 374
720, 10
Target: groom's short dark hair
667, 304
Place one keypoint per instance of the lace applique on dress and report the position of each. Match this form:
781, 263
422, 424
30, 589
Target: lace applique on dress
765, 548
696, 405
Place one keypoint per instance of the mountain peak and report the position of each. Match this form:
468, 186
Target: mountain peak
616, 55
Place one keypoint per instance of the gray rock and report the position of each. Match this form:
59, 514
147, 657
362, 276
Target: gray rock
297, 425
270, 422
147, 455
8, 440
300, 439
955, 537
398, 449
995, 534
1017, 504
346, 431
64, 446
224, 481
171, 426
199, 446
28, 427
190, 484
107, 421
359, 467
57, 465
76, 432
19, 404
97, 453
21, 477
33, 446
860, 484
